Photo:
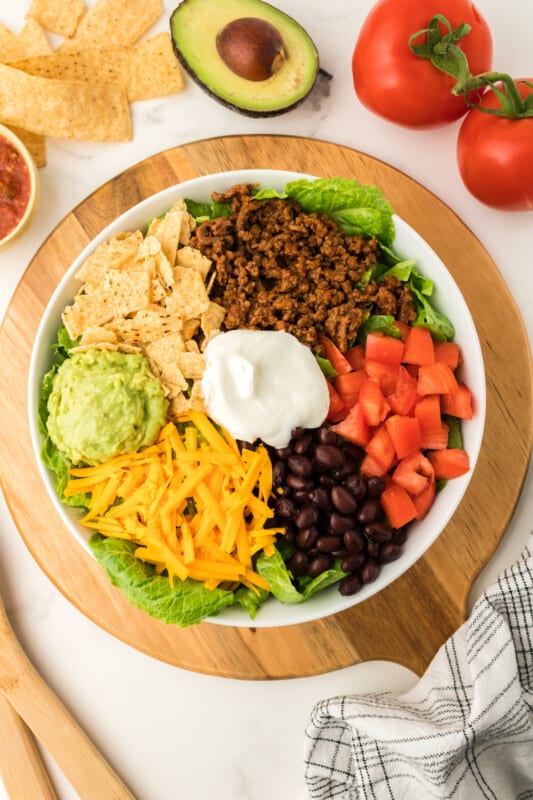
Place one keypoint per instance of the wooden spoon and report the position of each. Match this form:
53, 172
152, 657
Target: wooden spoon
82, 764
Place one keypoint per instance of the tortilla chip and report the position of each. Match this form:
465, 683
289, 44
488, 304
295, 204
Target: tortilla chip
136, 69
178, 405
192, 365
197, 397
35, 144
162, 357
113, 23
146, 326
189, 296
120, 252
31, 41
96, 334
66, 109
188, 257
58, 16
128, 291
88, 309
212, 318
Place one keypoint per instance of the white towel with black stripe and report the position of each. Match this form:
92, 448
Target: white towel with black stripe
464, 731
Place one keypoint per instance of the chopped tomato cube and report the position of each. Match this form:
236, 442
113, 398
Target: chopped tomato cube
403, 327
337, 409
419, 348
450, 463
348, 386
382, 348
330, 351
353, 427
405, 434
371, 468
356, 356
435, 440
381, 449
428, 414
414, 473
449, 352
385, 374
403, 397
373, 402
436, 378
397, 505
459, 403
423, 501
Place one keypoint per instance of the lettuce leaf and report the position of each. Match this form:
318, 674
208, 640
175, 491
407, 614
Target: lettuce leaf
186, 603
275, 571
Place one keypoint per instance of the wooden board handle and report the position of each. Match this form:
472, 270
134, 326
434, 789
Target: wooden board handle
82, 764
21, 766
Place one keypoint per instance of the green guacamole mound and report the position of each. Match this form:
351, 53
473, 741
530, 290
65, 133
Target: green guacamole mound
104, 403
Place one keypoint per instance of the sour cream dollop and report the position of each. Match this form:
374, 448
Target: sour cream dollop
262, 385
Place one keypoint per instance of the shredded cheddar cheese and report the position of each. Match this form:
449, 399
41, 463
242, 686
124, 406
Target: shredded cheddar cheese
195, 505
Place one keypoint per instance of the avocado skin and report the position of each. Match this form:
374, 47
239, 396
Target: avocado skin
255, 7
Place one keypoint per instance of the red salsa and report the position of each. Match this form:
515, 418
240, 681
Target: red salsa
14, 187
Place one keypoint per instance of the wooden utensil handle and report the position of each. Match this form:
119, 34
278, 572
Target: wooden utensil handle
21, 766
78, 758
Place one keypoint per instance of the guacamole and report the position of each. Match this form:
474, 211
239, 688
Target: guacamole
104, 403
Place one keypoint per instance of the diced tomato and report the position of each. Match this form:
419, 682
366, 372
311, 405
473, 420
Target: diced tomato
449, 463
427, 412
356, 356
337, 409
371, 468
382, 348
436, 378
423, 501
403, 327
397, 505
419, 348
405, 434
330, 351
348, 386
403, 397
373, 402
354, 427
435, 440
385, 374
381, 449
449, 352
414, 473
459, 403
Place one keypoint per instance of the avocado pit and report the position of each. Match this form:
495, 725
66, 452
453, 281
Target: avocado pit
252, 48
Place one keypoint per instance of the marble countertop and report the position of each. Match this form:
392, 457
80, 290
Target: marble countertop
169, 732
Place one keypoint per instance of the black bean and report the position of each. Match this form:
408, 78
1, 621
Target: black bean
369, 511
307, 516
327, 436
343, 500
350, 585
303, 445
342, 553
389, 552
329, 456
375, 486
353, 541
300, 496
326, 544
320, 497
378, 531
283, 452
356, 485
285, 508
326, 480
353, 452
369, 571
339, 523
300, 465
372, 548
318, 565
279, 472
298, 563
307, 537
298, 433
353, 562
399, 535
298, 482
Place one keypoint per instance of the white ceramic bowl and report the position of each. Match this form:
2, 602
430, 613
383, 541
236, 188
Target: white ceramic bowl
447, 297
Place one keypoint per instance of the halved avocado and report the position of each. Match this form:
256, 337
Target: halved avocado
247, 54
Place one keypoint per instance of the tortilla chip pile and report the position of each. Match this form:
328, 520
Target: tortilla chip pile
148, 294
83, 88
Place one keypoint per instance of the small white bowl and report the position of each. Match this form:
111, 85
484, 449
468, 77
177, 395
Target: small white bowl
14, 140
447, 297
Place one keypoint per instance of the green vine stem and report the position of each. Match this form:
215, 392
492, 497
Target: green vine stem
443, 52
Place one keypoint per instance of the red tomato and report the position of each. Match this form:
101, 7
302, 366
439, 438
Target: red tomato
419, 348
337, 409
458, 404
394, 83
449, 463
436, 378
373, 403
353, 427
349, 385
385, 349
495, 156
330, 351
398, 505
381, 449
414, 473
423, 501
405, 434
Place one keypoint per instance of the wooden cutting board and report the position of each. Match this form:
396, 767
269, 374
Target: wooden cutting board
408, 621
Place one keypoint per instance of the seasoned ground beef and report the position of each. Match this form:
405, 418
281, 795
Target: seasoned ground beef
278, 268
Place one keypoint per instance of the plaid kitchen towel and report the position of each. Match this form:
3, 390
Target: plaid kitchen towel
464, 731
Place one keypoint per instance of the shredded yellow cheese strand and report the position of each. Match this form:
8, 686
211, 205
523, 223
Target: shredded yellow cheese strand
195, 506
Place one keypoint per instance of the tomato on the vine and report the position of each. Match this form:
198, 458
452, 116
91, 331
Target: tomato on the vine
393, 82
495, 154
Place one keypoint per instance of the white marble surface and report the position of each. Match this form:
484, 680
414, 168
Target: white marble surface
168, 732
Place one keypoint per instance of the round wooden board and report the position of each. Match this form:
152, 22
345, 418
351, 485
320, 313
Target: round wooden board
407, 622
